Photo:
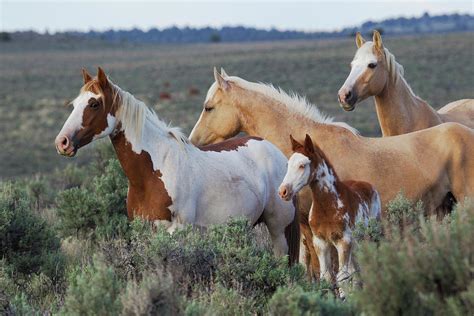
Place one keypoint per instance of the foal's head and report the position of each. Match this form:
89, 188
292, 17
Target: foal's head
220, 117
368, 75
301, 167
93, 116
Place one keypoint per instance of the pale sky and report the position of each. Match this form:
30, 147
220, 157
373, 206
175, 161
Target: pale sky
296, 15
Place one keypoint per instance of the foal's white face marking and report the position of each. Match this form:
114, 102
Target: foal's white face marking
298, 173
363, 57
74, 122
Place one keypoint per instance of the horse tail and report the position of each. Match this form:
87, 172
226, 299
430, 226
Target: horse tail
292, 235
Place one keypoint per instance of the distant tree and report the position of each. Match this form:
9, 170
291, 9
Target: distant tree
5, 37
215, 38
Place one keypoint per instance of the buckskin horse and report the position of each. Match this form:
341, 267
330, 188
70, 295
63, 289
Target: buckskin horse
375, 72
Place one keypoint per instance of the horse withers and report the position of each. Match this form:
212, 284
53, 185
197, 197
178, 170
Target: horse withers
337, 205
174, 182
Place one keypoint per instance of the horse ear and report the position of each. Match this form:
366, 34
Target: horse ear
103, 81
308, 144
377, 39
359, 40
223, 73
85, 76
294, 144
223, 84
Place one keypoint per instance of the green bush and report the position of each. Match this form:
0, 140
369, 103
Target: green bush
289, 301
27, 243
93, 291
98, 209
423, 273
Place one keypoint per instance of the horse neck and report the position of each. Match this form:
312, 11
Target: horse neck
326, 195
400, 111
156, 154
260, 114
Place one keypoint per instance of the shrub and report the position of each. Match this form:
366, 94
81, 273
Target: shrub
297, 301
429, 272
93, 291
98, 210
154, 295
27, 243
222, 301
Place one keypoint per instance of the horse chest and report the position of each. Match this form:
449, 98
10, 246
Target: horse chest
151, 202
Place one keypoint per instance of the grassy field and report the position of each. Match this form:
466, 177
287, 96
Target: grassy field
36, 81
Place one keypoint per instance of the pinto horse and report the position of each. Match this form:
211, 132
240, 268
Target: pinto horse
337, 205
426, 164
172, 181
375, 72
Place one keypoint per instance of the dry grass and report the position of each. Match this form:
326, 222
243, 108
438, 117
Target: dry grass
36, 81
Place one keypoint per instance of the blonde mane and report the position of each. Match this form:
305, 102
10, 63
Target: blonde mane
132, 113
395, 70
293, 102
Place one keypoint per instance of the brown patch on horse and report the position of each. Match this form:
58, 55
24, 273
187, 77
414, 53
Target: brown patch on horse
147, 196
230, 144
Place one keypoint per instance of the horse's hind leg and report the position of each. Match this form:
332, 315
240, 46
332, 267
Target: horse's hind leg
346, 267
277, 216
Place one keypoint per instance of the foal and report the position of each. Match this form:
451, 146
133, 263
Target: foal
337, 205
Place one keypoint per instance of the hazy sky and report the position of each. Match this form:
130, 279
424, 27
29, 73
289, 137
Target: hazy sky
300, 15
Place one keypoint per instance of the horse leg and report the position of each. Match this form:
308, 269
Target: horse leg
323, 249
346, 267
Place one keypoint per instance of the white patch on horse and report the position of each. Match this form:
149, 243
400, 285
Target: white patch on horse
375, 206
295, 176
74, 121
111, 120
327, 182
362, 214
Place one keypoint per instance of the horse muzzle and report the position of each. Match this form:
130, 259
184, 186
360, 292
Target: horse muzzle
285, 192
65, 146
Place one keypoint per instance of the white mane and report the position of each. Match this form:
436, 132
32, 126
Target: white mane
293, 102
132, 114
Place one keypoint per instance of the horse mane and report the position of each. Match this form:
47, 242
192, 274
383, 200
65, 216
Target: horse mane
292, 101
395, 70
132, 113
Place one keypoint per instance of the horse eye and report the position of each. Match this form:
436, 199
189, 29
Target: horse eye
208, 109
302, 166
94, 105
372, 65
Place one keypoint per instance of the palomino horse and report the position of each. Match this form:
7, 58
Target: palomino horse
337, 205
426, 164
174, 182
375, 72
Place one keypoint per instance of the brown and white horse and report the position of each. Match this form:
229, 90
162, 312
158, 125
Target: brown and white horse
426, 164
337, 205
375, 72
174, 182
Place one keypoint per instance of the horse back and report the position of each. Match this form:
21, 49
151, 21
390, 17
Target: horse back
230, 144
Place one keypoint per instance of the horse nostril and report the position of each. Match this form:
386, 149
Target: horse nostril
348, 95
65, 142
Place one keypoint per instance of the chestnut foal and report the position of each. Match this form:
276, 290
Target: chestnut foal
337, 205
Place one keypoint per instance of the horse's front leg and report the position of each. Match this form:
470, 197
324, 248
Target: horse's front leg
323, 250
